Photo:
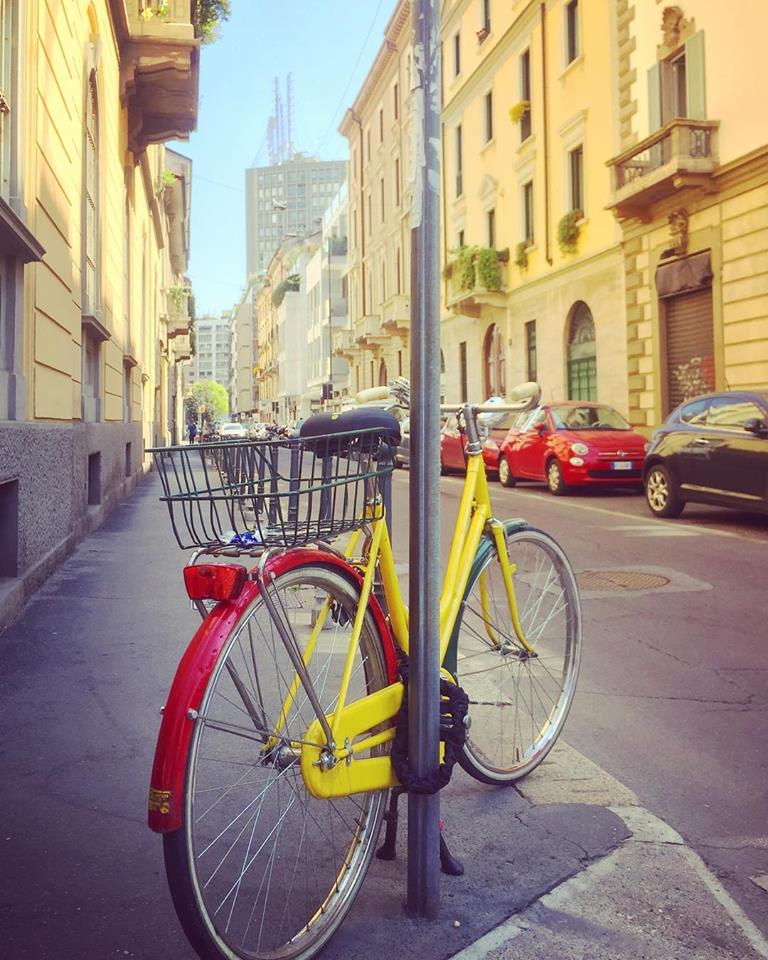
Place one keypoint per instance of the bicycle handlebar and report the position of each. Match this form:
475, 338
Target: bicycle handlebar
523, 397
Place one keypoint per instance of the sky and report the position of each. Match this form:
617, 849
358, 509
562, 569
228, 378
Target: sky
328, 46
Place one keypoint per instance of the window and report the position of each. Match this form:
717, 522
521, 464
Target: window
397, 181
576, 168
399, 363
486, 27
381, 125
399, 269
370, 218
489, 116
582, 354
676, 86
456, 54
528, 212
571, 30
491, 217
92, 212
493, 363
459, 181
678, 98
463, 372
383, 281
368, 144
525, 93
530, 349
396, 100
381, 197
461, 238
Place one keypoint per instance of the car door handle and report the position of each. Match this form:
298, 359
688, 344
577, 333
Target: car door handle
702, 441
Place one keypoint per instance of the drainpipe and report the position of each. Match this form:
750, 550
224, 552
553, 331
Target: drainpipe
545, 121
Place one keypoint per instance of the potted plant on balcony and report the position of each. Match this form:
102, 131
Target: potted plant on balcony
462, 269
519, 110
568, 230
521, 254
488, 269
207, 15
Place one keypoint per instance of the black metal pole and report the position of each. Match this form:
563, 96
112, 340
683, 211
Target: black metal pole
424, 579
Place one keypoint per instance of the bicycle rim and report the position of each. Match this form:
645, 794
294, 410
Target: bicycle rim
260, 869
519, 701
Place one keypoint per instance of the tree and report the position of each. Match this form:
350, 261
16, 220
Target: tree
213, 396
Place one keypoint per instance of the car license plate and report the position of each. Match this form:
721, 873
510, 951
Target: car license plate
622, 464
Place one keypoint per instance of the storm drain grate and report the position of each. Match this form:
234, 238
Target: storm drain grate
620, 580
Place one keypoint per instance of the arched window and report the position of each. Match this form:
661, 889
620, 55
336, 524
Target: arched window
383, 374
494, 372
582, 354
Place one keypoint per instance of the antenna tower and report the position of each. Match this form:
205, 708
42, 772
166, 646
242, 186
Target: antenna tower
280, 128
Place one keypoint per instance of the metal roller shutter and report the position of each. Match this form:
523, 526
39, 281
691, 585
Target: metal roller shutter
690, 362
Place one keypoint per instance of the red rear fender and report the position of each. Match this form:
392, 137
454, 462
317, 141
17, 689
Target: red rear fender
168, 770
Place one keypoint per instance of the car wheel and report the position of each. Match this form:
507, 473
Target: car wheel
555, 481
660, 494
505, 474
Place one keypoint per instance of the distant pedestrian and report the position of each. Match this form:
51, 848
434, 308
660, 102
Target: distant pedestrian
192, 431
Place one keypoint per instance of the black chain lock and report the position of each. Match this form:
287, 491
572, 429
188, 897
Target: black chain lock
454, 707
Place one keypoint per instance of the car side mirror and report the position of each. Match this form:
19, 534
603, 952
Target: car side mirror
756, 425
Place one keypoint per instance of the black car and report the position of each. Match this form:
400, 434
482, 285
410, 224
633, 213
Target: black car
712, 449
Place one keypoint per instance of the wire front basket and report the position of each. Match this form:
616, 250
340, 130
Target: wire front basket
273, 493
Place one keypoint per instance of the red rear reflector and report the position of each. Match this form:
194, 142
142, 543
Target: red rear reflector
215, 581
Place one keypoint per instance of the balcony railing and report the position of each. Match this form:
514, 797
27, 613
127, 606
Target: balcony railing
682, 153
159, 69
396, 315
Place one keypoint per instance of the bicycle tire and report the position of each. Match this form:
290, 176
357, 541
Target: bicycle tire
518, 702
243, 800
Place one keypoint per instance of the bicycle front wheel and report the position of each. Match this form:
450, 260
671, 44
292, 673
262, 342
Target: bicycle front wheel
261, 869
518, 699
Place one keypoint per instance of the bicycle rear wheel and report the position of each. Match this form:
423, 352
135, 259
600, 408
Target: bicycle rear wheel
518, 701
261, 869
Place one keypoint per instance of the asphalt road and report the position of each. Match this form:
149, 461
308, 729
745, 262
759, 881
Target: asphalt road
672, 696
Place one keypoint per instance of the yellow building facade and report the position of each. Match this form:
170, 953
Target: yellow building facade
94, 238
533, 277
690, 189
379, 128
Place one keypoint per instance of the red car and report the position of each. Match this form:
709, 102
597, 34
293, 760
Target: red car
452, 442
573, 443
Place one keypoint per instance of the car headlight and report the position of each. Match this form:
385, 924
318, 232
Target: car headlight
580, 448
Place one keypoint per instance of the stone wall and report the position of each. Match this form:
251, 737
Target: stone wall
50, 465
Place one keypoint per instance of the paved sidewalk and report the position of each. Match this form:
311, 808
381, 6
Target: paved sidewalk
578, 866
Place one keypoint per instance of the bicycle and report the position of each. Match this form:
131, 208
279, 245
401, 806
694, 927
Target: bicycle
272, 767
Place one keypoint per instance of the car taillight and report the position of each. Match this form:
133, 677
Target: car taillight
215, 581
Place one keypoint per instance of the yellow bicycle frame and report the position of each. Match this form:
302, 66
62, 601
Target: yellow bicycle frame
347, 774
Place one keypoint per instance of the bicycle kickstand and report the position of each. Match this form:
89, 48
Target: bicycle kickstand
449, 864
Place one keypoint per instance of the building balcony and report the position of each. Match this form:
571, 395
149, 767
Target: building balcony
396, 315
159, 69
177, 312
368, 332
682, 153
182, 347
469, 301
344, 344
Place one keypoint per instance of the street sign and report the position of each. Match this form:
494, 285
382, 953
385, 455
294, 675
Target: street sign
201, 408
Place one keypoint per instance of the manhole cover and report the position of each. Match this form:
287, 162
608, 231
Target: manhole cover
620, 580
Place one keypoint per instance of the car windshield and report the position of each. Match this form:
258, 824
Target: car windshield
587, 418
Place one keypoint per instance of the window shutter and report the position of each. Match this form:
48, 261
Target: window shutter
695, 86
654, 98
